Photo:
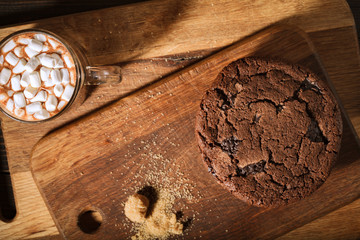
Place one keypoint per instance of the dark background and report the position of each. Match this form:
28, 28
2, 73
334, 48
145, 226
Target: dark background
13, 12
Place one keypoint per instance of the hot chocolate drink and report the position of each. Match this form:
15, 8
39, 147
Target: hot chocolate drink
37, 76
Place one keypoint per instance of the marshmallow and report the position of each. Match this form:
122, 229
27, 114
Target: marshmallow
30, 92
45, 73
45, 48
40, 56
3, 96
40, 37
30, 52
17, 51
19, 100
53, 43
24, 41
25, 81
68, 92
12, 59
35, 79
15, 83
35, 45
59, 63
58, 90
68, 62
51, 103
20, 67
48, 61
32, 64
72, 78
56, 76
61, 105
8, 46
10, 105
10, 93
40, 97
42, 114
1, 60
33, 107
65, 78
56, 56
5, 76
49, 83
19, 112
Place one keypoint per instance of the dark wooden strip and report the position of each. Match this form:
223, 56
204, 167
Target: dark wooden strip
13, 12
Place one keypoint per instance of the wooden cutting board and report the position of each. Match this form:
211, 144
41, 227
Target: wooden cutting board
153, 39
97, 162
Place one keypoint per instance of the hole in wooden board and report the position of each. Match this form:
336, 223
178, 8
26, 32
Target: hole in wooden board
89, 221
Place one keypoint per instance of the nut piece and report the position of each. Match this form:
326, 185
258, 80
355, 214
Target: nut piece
136, 207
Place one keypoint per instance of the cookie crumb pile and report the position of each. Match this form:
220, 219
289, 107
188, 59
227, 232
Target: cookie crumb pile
156, 221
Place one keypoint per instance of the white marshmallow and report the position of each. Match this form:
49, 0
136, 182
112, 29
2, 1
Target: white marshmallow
24, 41
25, 81
20, 67
49, 83
45, 48
1, 60
5, 76
10, 105
8, 46
10, 93
18, 50
68, 92
30, 92
3, 96
33, 107
65, 78
48, 61
61, 105
15, 83
72, 77
35, 45
53, 43
51, 103
35, 79
45, 73
19, 112
58, 90
40, 97
59, 63
42, 114
8, 84
40, 37
32, 64
56, 76
19, 100
68, 62
40, 56
12, 59
56, 56
30, 52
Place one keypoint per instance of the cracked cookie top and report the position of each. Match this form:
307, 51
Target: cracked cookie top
269, 131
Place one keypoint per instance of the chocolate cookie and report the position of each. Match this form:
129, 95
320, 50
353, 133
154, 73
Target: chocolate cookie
269, 131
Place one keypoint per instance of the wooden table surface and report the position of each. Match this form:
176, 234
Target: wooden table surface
343, 223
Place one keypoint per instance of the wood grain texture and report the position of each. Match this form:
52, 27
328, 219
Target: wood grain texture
69, 172
343, 223
181, 40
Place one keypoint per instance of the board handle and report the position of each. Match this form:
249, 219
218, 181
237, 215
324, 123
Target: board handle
102, 74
